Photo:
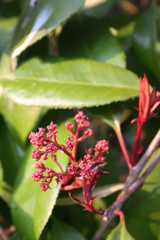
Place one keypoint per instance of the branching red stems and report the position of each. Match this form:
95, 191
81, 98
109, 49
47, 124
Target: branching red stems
81, 173
148, 102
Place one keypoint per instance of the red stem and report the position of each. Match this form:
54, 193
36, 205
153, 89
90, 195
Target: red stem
136, 145
69, 187
123, 147
74, 151
60, 168
119, 213
72, 159
97, 156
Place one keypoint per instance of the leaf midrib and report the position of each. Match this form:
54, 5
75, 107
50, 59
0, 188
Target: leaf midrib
67, 83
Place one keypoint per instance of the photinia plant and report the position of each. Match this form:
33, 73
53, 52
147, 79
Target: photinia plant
79, 60
84, 173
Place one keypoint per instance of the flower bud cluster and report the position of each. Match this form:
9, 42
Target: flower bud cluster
80, 173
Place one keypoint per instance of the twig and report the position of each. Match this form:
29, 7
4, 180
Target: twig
132, 184
151, 148
124, 196
101, 231
109, 212
136, 170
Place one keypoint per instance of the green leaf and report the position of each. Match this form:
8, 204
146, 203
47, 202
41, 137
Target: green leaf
38, 19
10, 153
100, 192
72, 83
5, 29
63, 231
120, 233
30, 205
145, 42
21, 119
143, 209
86, 38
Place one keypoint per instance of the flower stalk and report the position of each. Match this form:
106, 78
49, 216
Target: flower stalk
148, 102
81, 173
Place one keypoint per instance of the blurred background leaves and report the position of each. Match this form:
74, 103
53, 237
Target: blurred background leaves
68, 56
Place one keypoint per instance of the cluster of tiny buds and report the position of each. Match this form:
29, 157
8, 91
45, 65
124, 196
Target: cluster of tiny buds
81, 120
38, 175
78, 171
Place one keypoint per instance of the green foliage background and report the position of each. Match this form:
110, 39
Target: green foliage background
56, 58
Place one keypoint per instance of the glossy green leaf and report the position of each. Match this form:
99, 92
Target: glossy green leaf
120, 233
86, 38
30, 205
72, 83
143, 209
100, 192
10, 154
5, 30
145, 41
20, 118
63, 231
38, 19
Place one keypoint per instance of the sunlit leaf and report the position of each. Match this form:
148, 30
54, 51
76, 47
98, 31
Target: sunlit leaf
20, 118
30, 205
72, 83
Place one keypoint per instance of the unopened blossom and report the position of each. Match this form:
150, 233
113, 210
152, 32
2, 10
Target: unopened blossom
148, 102
80, 173
102, 146
81, 120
